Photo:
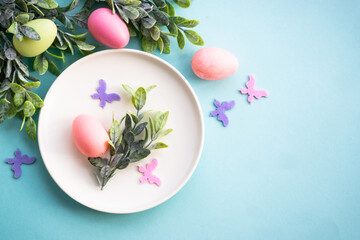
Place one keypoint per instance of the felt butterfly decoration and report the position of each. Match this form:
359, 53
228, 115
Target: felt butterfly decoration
103, 96
17, 161
251, 91
147, 173
220, 111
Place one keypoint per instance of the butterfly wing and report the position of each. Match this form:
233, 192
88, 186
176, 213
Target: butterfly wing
224, 119
112, 97
228, 105
260, 93
251, 83
102, 87
152, 165
141, 169
17, 170
214, 113
217, 103
154, 179
27, 160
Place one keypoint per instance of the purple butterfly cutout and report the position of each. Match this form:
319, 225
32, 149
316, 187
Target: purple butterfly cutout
147, 173
220, 111
251, 91
103, 96
17, 161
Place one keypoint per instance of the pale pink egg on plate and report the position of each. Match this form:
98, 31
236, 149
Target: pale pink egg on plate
90, 136
108, 28
214, 63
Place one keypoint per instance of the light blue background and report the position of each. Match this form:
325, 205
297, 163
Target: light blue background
287, 166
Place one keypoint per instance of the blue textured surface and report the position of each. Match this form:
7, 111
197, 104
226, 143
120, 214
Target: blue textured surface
286, 167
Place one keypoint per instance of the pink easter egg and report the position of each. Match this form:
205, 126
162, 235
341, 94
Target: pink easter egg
90, 136
214, 63
108, 28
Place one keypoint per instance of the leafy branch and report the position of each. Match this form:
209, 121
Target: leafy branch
154, 22
135, 141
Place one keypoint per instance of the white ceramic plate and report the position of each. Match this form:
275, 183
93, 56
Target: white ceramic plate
69, 96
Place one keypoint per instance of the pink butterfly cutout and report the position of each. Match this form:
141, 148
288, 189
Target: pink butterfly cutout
147, 173
251, 91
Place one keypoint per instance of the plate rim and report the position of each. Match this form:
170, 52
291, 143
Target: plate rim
198, 107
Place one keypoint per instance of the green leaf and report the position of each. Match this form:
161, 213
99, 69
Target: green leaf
148, 89
194, 37
148, 22
111, 5
128, 124
140, 128
16, 88
29, 109
159, 145
34, 99
159, 3
13, 28
163, 133
47, 4
181, 40
22, 124
13, 110
4, 109
23, 18
53, 68
32, 85
155, 33
173, 29
160, 44
83, 45
131, 31
22, 5
19, 99
115, 133
183, 3
71, 6
128, 89
189, 23
178, 19
152, 128
161, 121
98, 162
31, 128
129, 138
162, 18
41, 64
29, 32
166, 41
22, 66
148, 45
122, 15
171, 9
139, 154
140, 98
123, 164
69, 45
131, 12
134, 118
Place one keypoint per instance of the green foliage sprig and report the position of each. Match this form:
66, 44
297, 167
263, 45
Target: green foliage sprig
16, 84
135, 141
154, 22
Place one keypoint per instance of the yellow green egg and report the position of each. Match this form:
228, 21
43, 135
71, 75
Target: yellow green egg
30, 48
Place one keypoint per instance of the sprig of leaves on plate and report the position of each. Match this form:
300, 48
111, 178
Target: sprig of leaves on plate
154, 22
137, 139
